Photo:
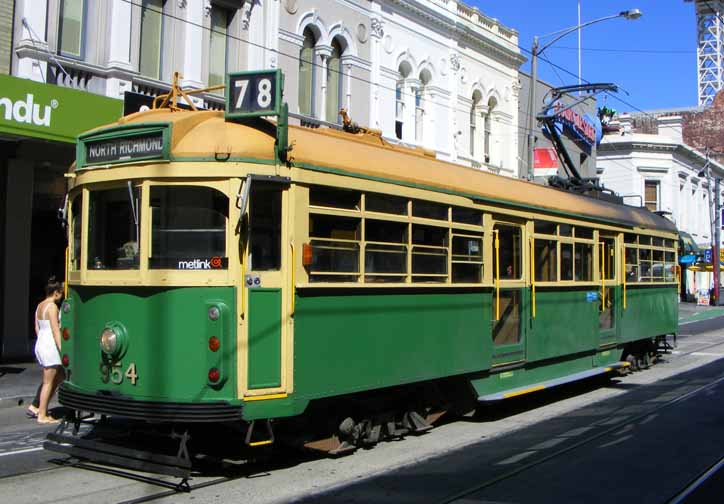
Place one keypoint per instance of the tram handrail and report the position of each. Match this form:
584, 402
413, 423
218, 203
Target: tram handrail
293, 266
603, 276
624, 274
497, 275
532, 275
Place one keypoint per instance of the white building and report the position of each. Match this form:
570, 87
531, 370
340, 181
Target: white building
430, 73
660, 172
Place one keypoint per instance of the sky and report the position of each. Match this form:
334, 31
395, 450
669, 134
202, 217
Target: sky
653, 58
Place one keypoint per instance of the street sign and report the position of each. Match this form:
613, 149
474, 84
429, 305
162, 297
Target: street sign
707, 256
254, 94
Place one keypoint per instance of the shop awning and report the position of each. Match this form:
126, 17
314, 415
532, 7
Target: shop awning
687, 259
704, 267
687, 244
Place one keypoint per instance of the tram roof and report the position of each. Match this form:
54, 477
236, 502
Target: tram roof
195, 134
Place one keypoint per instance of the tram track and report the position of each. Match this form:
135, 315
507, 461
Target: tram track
608, 430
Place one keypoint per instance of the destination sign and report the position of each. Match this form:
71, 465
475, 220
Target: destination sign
115, 150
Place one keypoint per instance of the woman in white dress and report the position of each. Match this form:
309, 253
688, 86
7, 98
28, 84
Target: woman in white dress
47, 347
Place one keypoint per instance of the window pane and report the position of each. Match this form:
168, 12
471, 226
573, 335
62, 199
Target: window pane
609, 259
112, 229
565, 230
385, 231
77, 211
334, 198
549, 228
467, 249
629, 238
217, 46
566, 261
584, 232
334, 256
584, 262
265, 216
466, 273
510, 252
331, 226
632, 259
385, 258
506, 330
385, 204
306, 73
429, 254
150, 56
71, 27
546, 260
334, 82
467, 216
429, 210
188, 228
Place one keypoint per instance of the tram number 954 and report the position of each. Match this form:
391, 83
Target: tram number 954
115, 374
253, 94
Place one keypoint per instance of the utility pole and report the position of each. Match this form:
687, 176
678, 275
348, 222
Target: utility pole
716, 267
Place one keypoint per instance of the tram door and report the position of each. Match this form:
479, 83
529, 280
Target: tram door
263, 284
609, 295
510, 297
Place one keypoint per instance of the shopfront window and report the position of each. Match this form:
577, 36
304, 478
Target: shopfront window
188, 228
113, 229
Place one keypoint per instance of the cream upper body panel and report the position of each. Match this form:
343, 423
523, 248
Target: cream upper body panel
205, 135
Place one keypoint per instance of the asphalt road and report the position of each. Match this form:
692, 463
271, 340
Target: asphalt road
652, 436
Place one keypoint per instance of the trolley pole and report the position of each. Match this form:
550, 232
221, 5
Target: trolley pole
716, 267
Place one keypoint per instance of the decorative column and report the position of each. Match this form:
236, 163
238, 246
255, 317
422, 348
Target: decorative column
376, 34
196, 14
409, 88
348, 87
35, 13
119, 51
453, 104
323, 53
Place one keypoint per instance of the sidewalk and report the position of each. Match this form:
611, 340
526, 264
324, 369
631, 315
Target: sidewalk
691, 312
18, 383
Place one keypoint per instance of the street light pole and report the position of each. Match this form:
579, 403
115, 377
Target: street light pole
716, 267
535, 51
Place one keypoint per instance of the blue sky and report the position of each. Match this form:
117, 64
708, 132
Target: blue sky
652, 58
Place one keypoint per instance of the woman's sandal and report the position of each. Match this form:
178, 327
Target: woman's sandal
48, 420
32, 412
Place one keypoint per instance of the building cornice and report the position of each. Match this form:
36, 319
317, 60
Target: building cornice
458, 26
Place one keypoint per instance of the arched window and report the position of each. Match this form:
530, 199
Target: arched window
404, 70
492, 103
477, 96
306, 73
334, 82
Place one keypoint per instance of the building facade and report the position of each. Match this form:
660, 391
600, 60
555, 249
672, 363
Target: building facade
434, 74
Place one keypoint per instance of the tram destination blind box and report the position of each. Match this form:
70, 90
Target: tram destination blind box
253, 94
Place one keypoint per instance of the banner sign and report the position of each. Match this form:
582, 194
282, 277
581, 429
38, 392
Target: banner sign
581, 126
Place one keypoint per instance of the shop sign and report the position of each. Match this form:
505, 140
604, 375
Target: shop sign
581, 126
38, 110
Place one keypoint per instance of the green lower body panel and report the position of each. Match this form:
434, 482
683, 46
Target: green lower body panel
265, 338
165, 355
352, 341
650, 312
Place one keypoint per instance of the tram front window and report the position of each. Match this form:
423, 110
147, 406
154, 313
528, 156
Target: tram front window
113, 230
188, 228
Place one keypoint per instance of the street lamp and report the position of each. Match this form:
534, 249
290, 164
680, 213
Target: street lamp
535, 51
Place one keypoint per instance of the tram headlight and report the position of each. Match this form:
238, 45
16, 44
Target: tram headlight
113, 339
109, 341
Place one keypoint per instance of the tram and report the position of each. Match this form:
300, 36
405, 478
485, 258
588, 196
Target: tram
330, 287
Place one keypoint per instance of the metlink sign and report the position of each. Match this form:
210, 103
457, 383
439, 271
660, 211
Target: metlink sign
33, 109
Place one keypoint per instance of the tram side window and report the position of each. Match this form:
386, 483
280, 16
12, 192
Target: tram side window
584, 262
609, 257
76, 210
429, 253
335, 248
566, 261
509, 237
632, 264
113, 229
385, 251
188, 228
467, 259
265, 236
546, 260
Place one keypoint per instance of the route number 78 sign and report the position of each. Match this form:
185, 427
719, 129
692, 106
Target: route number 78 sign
253, 94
